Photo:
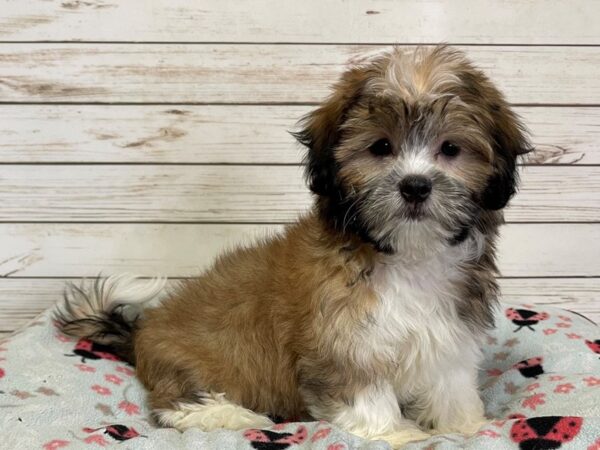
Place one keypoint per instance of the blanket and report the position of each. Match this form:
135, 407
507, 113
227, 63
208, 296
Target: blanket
540, 382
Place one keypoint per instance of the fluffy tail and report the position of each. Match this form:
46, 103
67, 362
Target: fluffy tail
107, 310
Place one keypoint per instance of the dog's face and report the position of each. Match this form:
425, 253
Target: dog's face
412, 145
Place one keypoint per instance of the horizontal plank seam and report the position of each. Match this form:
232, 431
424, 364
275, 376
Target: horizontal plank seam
64, 103
224, 164
225, 222
298, 43
57, 277
148, 163
259, 103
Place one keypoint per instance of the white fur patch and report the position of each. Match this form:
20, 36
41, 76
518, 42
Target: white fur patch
375, 414
89, 299
215, 412
375, 411
416, 328
417, 162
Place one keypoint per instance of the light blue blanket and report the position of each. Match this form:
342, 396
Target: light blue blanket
540, 382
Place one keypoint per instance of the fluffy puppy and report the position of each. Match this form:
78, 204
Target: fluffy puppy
367, 312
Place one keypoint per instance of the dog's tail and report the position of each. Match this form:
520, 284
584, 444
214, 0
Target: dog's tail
107, 310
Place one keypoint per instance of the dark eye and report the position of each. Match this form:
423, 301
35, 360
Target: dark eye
381, 147
449, 149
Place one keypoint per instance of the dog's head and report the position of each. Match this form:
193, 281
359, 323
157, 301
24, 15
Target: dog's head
419, 141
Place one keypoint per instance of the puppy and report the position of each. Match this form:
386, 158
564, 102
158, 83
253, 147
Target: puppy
368, 312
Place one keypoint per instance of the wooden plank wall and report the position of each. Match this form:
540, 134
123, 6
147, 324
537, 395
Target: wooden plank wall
147, 136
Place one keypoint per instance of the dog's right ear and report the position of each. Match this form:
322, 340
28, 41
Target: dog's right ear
320, 132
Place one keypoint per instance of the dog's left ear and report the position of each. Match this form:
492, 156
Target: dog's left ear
320, 132
510, 141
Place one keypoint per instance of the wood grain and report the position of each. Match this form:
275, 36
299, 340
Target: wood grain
75, 250
578, 294
183, 73
185, 107
213, 134
22, 299
482, 21
263, 194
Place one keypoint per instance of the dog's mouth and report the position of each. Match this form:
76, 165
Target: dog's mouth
416, 212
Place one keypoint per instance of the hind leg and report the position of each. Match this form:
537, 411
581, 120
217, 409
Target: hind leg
180, 399
205, 410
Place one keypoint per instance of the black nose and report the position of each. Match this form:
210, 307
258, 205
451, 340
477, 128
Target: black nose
415, 188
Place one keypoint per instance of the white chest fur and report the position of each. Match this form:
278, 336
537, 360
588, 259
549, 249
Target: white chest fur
415, 327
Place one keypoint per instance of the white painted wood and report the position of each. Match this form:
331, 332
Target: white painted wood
563, 135
195, 68
577, 294
266, 194
21, 299
481, 21
527, 250
254, 134
149, 133
228, 73
75, 250
558, 194
152, 193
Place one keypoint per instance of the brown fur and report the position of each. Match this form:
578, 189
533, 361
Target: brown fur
258, 324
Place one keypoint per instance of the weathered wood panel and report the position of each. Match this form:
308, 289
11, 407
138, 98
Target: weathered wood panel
578, 294
153, 134
212, 134
22, 299
75, 250
265, 194
205, 63
482, 21
181, 73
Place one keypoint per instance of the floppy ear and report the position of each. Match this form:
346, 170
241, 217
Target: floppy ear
509, 142
320, 133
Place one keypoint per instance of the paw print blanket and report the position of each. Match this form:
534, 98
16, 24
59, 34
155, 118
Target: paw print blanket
540, 382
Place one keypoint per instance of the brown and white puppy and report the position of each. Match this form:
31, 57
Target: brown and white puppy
367, 312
